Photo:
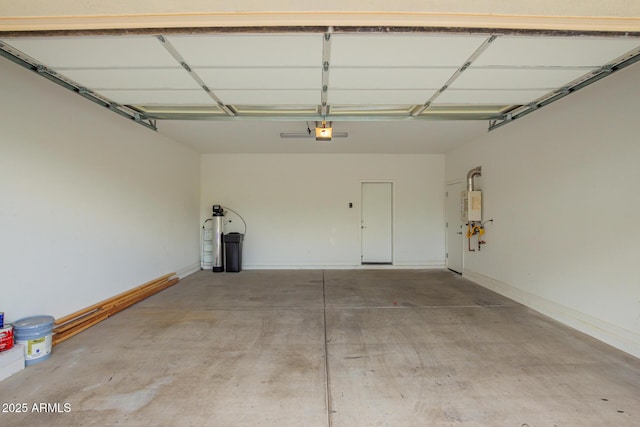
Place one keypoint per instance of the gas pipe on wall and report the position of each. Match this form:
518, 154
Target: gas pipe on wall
472, 209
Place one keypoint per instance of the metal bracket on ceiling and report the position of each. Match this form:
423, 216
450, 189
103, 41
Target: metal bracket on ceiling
25, 61
176, 55
606, 69
576, 85
416, 112
326, 60
41, 69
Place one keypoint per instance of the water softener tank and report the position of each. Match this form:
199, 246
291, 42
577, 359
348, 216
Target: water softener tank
218, 236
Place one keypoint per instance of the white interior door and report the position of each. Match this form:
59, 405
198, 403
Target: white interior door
454, 227
377, 222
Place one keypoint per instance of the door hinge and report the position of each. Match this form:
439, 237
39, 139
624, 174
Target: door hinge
446, 255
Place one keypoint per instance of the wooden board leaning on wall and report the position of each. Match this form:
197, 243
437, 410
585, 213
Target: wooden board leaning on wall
74, 323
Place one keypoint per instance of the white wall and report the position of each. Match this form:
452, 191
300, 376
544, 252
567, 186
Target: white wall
91, 204
562, 187
296, 206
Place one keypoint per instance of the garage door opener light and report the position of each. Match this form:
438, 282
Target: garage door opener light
324, 133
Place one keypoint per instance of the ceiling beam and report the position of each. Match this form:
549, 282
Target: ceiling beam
581, 83
455, 75
326, 60
95, 22
176, 55
122, 110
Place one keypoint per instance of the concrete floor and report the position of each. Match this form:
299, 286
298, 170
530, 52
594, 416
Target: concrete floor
329, 348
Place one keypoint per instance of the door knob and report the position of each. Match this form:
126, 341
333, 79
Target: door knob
459, 232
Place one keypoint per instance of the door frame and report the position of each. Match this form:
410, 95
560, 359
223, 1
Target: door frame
393, 217
446, 231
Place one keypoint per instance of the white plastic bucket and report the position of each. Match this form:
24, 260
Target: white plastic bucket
35, 334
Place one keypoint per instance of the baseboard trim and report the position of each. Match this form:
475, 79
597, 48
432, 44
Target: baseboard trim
188, 270
620, 338
419, 265
346, 266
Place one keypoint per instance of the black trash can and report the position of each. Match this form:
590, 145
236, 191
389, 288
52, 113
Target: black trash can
233, 251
